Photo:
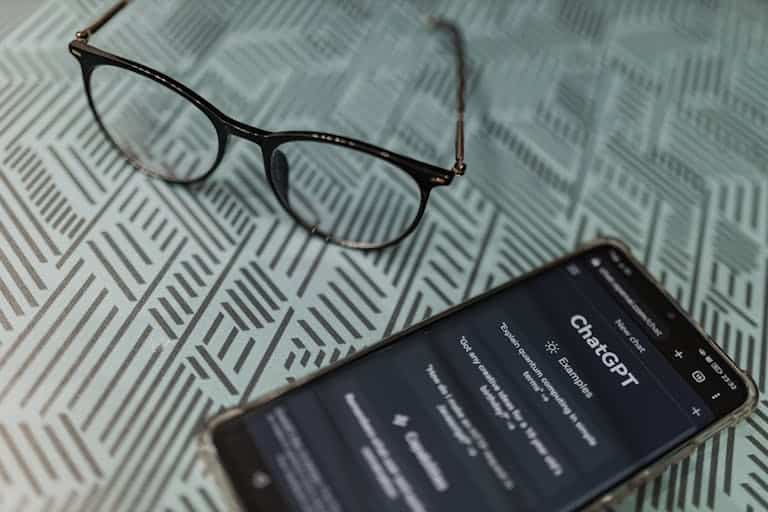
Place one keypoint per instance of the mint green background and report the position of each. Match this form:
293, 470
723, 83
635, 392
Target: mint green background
637, 119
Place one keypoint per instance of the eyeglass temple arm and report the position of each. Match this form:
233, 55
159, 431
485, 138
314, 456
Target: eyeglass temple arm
94, 27
458, 43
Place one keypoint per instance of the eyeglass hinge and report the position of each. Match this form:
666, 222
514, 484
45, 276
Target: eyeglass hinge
82, 35
459, 168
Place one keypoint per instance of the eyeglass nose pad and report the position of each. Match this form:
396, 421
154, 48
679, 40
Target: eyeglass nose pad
280, 174
301, 206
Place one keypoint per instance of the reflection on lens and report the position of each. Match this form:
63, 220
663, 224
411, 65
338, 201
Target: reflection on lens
157, 128
344, 193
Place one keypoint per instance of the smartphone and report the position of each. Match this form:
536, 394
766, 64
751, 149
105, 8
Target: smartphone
561, 390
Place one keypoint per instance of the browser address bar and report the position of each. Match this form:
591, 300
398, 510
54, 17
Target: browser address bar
617, 288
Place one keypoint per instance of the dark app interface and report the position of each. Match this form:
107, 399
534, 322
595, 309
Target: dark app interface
539, 397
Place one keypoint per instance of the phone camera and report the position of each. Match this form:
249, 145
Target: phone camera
261, 480
671, 315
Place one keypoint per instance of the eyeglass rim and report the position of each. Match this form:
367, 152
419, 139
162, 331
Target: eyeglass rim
425, 175
268, 152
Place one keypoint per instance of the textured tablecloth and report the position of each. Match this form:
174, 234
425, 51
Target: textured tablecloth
131, 310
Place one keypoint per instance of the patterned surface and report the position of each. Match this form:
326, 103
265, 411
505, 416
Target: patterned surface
130, 310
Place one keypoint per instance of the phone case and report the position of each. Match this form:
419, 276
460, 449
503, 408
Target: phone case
650, 472
611, 497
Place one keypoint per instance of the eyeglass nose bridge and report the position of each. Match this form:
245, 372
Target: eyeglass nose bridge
244, 131
277, 175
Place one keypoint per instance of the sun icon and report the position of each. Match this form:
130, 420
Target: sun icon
552, 347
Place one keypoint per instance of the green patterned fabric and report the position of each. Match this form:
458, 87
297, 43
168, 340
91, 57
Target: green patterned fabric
131, 310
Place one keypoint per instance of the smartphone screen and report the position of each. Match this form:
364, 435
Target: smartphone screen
541, 395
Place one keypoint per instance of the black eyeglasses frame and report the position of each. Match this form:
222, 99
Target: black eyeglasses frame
426, 175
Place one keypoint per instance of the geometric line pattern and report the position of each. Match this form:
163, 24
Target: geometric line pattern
131, 310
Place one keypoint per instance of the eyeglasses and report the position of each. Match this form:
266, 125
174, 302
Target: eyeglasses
347, 191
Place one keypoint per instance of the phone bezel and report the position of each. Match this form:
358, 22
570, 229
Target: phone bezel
613, 495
